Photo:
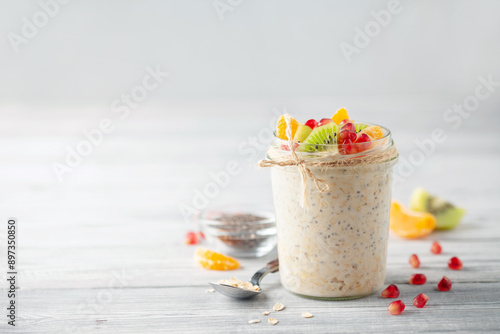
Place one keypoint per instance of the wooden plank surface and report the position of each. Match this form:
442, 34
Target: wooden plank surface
103, 250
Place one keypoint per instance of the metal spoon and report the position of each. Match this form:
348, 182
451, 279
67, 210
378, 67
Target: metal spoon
234, 292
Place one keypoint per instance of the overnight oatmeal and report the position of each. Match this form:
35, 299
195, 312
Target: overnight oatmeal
332, 198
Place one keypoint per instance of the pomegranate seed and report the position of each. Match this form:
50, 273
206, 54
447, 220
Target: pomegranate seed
201, 235
436, 248
312, 123
325, 121
284, 147
347, 134
455, 264
364, 142
191, 238
396, 307
414, 261
349, 126
420, 300
418, 279
391, 291
347, 147
345, 121
444, 284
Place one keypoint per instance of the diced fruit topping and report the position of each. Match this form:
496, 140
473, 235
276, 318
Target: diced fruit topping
312, 123
281, 127
324, 121
303, 131
374, 132
391, 291
348, 126
444, 284
321, 138
410, 224
364, 142
414, 261
418, 279
347, 147
447, 215
346, 134
455, 264
420, 300
340, 115
396, 307
436, 248
285, 147
215, 261
191, 238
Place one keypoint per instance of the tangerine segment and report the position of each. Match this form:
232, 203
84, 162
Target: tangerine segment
215, 261
281, 127
375, 132
340, 115
410, 224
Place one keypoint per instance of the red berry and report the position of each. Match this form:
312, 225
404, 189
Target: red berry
418, 279
396, 307
455, 264
349, 126
345, 121
325, 121
444, 284
414, 261
312, 123
420, 300
191, 238
436, 248
284, 147
201, 235
391, 291
346, 134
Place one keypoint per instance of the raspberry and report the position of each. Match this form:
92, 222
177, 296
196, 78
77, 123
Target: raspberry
436, 248
396, 307
455, 264
444, 284
418, 279
414, 261
391, 291
420, 300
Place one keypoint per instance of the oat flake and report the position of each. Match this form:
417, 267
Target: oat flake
209, 290
266, 313
278, 307
307, 315
272, 321
254, 321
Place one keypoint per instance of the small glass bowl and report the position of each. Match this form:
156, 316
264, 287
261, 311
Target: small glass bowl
239, 231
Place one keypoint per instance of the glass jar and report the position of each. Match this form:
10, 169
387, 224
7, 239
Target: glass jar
333, 245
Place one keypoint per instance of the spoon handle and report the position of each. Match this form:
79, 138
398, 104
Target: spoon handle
271, 267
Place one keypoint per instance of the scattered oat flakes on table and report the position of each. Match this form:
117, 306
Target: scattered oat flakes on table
254, 321
266, 313
272, 321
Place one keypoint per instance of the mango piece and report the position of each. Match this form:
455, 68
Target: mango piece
410, 224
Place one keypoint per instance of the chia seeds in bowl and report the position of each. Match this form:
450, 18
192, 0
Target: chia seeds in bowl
239, 232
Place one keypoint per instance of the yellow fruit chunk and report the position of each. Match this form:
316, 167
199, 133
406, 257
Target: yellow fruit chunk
215, 261
410, 224
281, 127
375, 132
340, 115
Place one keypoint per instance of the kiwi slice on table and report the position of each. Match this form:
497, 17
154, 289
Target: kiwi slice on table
447, 215
303, 131
321, 136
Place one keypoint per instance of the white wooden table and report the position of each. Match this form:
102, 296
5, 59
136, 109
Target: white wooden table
103, 251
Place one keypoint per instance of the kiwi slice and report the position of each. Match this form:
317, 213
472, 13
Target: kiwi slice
360, 126
302, 133
321, 136
447, 215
